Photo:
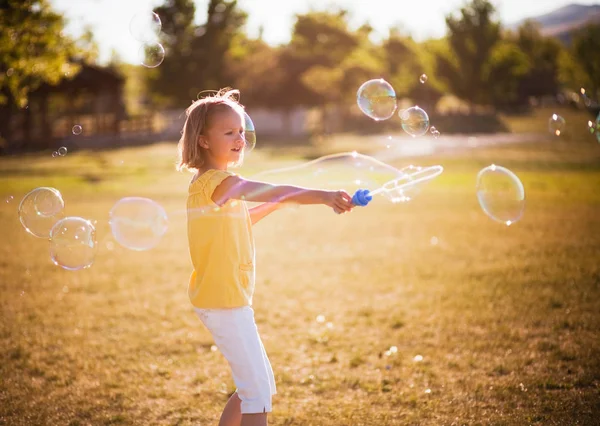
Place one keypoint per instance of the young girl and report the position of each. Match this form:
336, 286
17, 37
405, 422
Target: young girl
222, 247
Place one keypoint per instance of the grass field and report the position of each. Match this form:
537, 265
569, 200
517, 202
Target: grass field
492, 325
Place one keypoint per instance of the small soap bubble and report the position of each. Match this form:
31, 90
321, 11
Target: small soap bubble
62, 151
415, 121
556, 124
73, 244
213, 348
77, 129
423, 78
151, 54
320, 319
432, 129
377, 99
145, 26
427, 391
9, 199
40, 210
434, 241
55, 154
249, 132
138, 223
418, 358
10, 72
501, 194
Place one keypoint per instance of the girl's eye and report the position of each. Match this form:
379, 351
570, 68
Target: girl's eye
229, 133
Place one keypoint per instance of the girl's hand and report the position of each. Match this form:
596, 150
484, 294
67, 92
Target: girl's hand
340, 201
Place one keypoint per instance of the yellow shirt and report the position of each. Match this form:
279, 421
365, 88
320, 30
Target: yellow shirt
221, 247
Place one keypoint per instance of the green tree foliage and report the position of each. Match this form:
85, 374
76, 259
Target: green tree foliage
406, 61
506, 66
321, 41
255, 70
481, 67
196, 56
471, 37
33, 49
170, 82
543, 54
586, 50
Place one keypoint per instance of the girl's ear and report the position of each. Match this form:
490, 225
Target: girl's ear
203, 142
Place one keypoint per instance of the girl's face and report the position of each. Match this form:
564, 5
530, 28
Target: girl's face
224, 141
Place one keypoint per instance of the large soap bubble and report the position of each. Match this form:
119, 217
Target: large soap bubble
501, 194
40, 209
415, 121
352, 171
377, 99
73, 243
138, 223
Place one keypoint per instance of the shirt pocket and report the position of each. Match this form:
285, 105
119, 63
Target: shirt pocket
247, 275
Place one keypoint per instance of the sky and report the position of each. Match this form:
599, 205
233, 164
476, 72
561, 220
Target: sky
109, 19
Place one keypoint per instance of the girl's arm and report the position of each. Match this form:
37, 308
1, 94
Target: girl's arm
241, 189
258, 212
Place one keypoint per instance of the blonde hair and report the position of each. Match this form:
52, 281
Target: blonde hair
199, 118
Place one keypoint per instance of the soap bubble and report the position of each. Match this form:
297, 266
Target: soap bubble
352, 171
55, 154
376, 99
501, 194
77, 129
73, 243
556, 124
62, 151
151, 55
423, 78
40, 209
138, 223
349, 171
249, 132
145, 26
415, 121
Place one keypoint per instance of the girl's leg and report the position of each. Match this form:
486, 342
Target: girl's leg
232, 413
259, 419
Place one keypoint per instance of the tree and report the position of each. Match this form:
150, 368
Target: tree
543, 54
254, 66
586, 46
320, 43
406, 62
195, 57
472, 36
170, 83
33, 51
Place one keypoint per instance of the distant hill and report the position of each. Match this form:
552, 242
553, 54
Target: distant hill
562, 22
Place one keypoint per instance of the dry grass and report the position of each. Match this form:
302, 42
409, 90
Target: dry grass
507, 320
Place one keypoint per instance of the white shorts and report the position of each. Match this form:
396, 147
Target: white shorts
236, 335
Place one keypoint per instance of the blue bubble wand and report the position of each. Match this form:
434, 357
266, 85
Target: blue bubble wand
362, 197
